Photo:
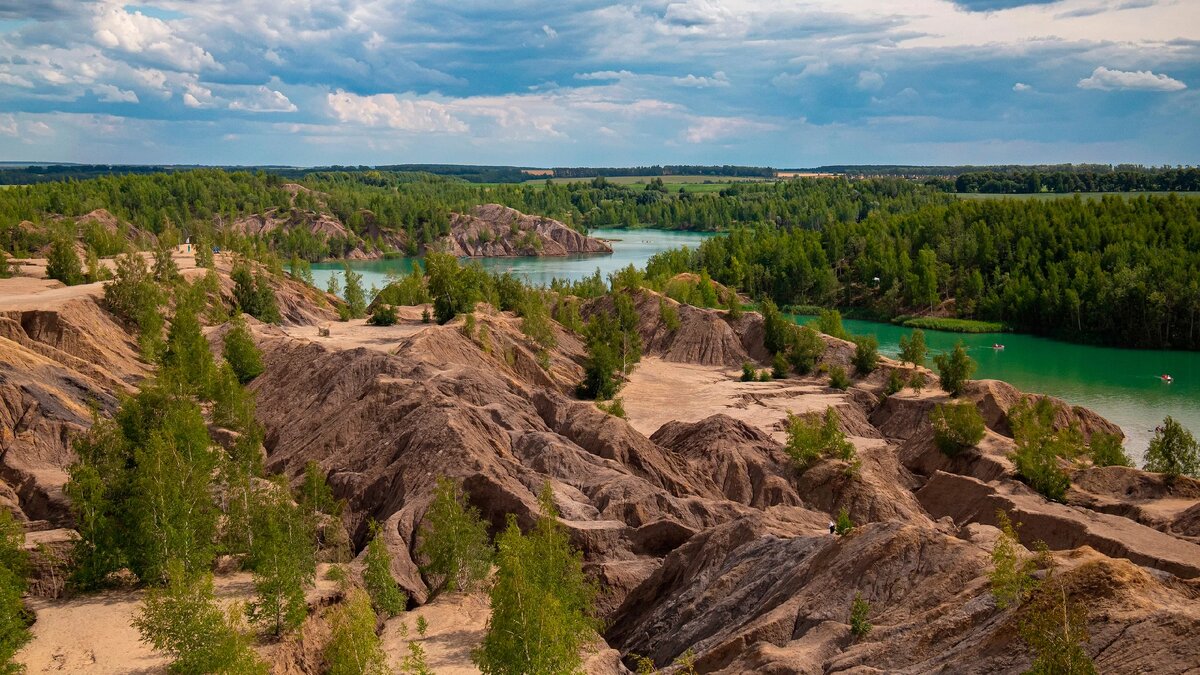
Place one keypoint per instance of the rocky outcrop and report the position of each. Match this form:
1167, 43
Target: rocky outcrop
495, 231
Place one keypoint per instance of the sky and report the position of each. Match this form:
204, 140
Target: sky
784, 83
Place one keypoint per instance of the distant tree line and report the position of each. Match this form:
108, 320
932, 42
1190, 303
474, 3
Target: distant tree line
1025, 181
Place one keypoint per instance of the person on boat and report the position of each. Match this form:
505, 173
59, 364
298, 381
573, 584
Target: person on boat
997, 345
1166, 378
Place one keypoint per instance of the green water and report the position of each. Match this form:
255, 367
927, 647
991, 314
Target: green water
1120, 384
629, 247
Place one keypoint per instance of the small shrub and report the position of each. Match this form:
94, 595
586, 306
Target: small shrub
1173, 451
415, 662
748, 374
956, 427
1107, 450
616, 408
63, 263
354, 648
859, 609
425, 317
917, 382
805, 350
668, 315
7, 269
468, 327
779, 366
384, 315
241, 353
385, 594
422, 626
454, 540
912, 348
829, 322
1040, 446
954, 369
844, 525
838, 378
866, 354
895, 383
1012, 574
1056, 630
812, 437
764, 376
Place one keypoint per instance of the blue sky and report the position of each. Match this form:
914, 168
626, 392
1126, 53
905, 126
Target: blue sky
786, 83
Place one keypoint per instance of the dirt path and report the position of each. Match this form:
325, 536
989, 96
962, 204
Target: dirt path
660, 391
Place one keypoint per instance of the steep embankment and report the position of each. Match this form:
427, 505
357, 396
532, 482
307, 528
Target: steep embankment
495, 231
700, 531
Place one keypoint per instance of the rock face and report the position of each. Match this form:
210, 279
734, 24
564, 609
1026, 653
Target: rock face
702, 534
495, 231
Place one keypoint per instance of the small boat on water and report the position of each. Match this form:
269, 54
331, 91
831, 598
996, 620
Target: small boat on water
1166, 378
997, 346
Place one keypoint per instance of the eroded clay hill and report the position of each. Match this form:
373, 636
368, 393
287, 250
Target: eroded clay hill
690, 515
492, 230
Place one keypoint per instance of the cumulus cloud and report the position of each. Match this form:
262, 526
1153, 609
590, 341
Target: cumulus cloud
718, 79
15, 80
550, 32
262, 100
1022, 87
135, 33
112, 94
1106, 79
869, 80
393, 112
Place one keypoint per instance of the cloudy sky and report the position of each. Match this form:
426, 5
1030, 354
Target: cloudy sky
787, 83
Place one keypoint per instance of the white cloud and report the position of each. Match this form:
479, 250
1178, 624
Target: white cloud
706, 129
15, 80
869, 80
112, 94
135, 33
8, 125
393, 112
550, 32
718, 79
1107, 80
1022, 87
264, 99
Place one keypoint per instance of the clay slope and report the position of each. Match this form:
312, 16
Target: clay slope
492, 230
704, 336
61, 354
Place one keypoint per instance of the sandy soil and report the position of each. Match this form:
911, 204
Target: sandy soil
457, 623
358, 333
95, 633
660, 391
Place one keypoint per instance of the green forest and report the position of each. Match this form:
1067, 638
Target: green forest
1121, 271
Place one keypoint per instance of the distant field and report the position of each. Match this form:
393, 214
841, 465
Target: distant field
1068, 195
668, 180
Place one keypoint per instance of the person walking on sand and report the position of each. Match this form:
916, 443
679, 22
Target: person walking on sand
832, 527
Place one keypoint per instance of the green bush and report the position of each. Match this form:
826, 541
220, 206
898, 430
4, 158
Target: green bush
1040, 446
813, 437
748, 372
829, 322
764, 376
1056, 630
779, 367
956, 427
354, 647
386, 595
805, 349
14, 569
384, 315
859, 609
454, 540
1107, 450
895, 383
912, 348
240, 351
1173, 451
954, 325
844, 524
838, 378
1011, 576
616, 407
866, 354
668, 315
918, 381
63, 263
6, 268
954, 369
184, 620
283, 557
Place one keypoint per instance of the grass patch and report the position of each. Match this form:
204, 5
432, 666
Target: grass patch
950, 325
